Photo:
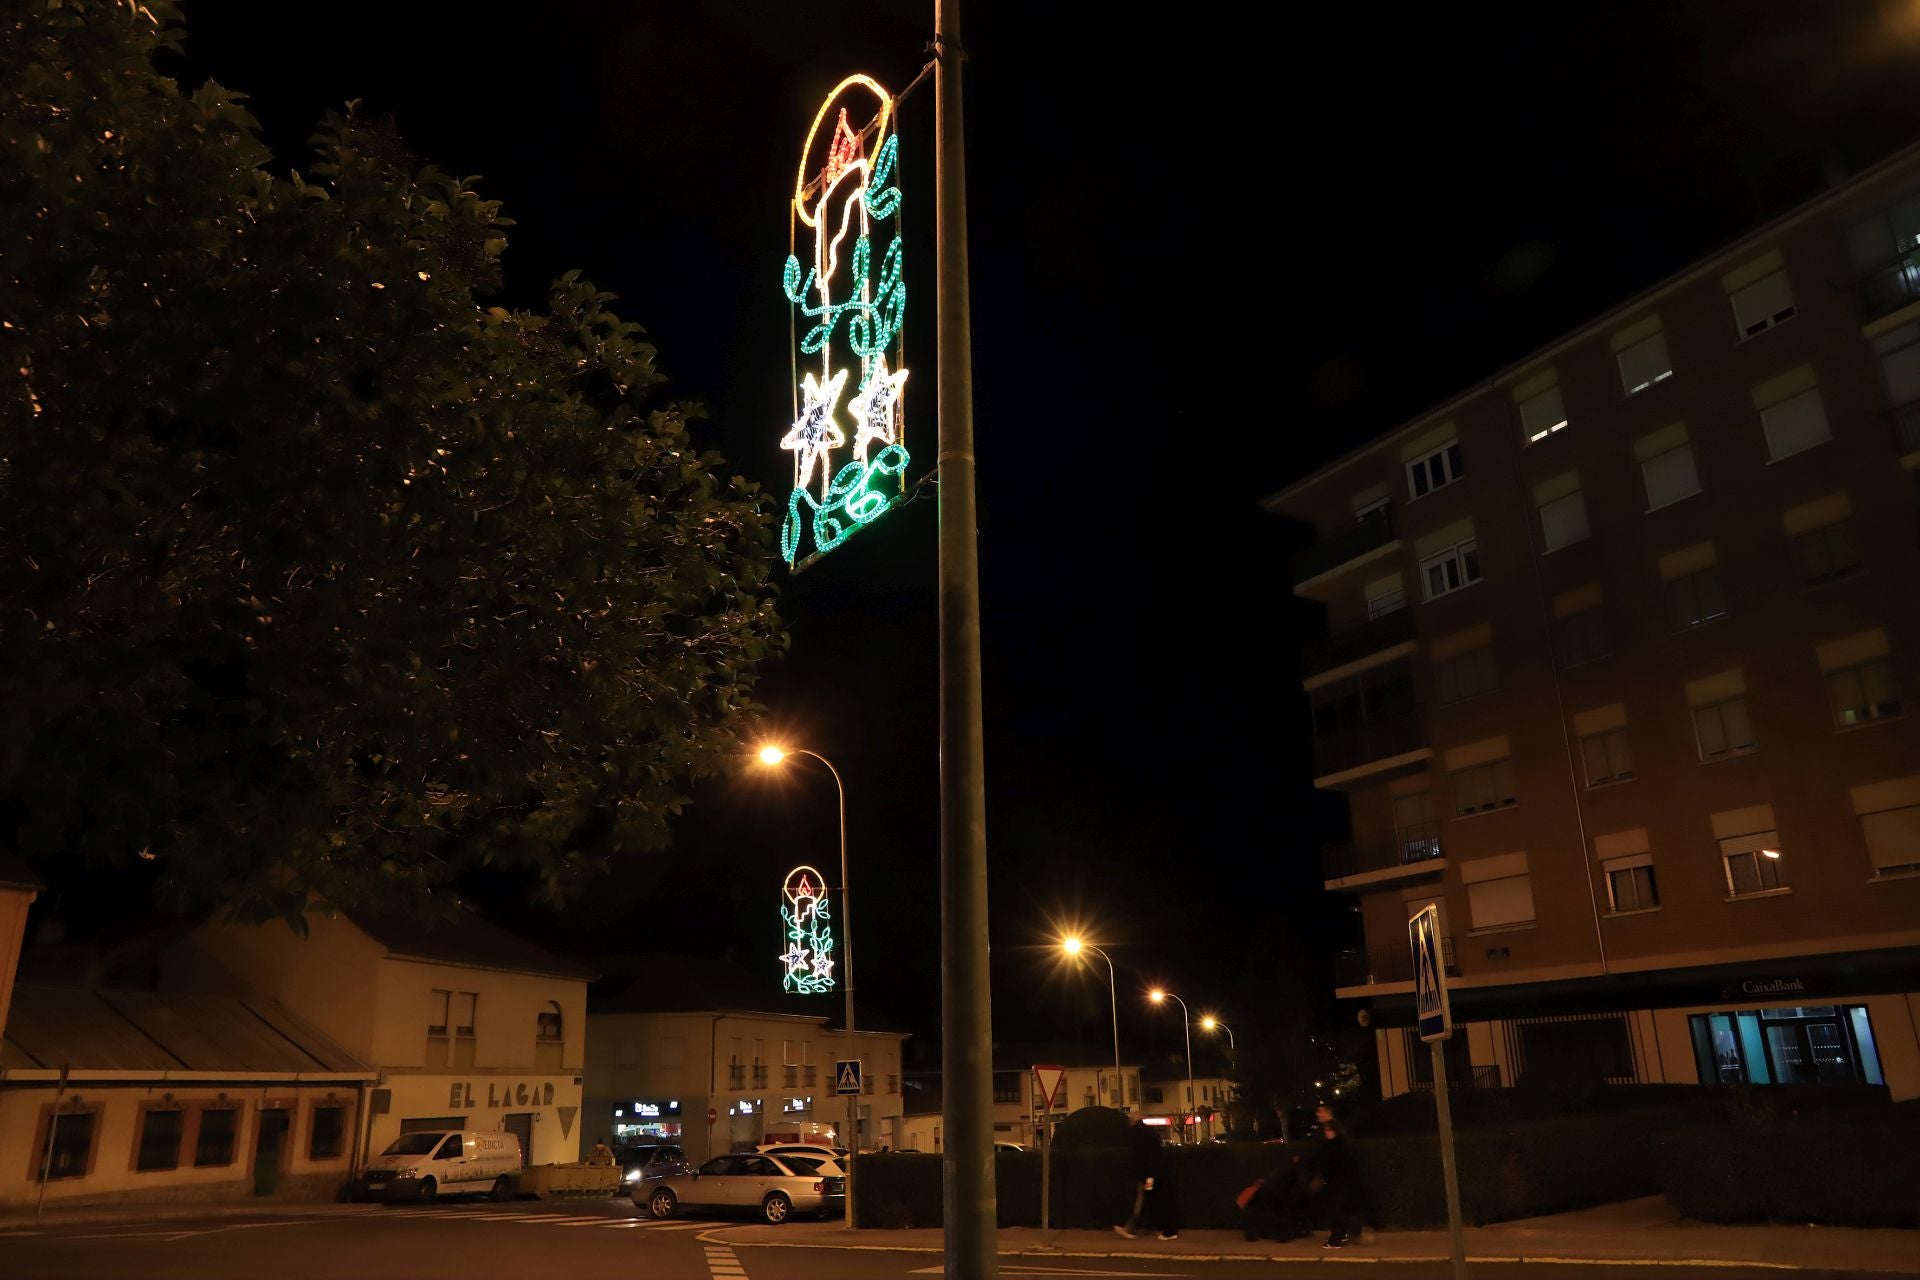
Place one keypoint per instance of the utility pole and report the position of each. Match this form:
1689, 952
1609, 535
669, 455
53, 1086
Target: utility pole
966, 1007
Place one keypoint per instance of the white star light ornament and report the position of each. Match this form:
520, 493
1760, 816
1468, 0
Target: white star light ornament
796, 960
877, 409
815, 434
822, 967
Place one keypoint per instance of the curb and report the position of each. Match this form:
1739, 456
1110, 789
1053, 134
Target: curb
712, 1236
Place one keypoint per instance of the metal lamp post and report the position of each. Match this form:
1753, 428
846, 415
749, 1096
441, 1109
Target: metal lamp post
1159, 996
1073, 946
773, 755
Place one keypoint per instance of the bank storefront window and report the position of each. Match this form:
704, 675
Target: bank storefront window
1805, 1044
644, 1119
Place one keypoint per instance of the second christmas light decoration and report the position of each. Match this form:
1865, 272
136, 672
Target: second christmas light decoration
847, 196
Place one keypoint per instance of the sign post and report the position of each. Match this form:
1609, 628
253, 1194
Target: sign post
1049, 1081
1435, 1016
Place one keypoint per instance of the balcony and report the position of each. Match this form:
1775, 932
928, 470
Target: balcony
1906, 434
1371, 747
1889, 287
1369, 534
1381, 965
1406, 853
1355, 643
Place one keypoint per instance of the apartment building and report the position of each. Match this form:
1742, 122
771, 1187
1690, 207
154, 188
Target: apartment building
1619, 649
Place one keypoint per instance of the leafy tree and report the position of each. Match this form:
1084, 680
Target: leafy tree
316, 575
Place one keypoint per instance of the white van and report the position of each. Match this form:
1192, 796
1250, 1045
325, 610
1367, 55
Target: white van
420, 1166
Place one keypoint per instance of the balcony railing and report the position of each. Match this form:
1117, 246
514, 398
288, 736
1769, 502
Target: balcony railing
1890, 287
1375, 529
1356, 643
1383, 964
1906, 428
1407, 846
1376, 738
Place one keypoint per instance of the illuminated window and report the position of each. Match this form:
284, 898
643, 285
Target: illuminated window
1644, 362
1542, 414
1436, 470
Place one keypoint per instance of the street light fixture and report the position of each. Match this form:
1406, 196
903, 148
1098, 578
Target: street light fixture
1210, 1023
772, 756
1160, 995
1073, 945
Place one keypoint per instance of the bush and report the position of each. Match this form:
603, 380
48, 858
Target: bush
1506, 1171
1852, 1170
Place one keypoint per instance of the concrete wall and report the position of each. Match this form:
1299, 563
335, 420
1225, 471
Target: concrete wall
118, 1110
13, 936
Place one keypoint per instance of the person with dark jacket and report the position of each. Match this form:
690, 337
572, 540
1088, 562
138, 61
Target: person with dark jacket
1278, 1208
1334, 1178
1154, 1198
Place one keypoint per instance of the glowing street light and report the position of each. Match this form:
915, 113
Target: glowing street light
1210, 1023
1073, 945
772, 756
1159, 995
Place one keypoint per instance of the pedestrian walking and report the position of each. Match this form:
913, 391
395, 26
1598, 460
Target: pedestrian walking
1333, 1175
1146, 1170
1366, 1214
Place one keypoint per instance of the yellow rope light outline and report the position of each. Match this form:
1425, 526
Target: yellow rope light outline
879, 123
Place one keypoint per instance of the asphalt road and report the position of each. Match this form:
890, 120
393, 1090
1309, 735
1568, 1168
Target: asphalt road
524, 1240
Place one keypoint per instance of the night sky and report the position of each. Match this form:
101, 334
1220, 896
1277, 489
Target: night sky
1207, 256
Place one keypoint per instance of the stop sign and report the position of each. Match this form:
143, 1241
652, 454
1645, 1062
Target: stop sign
712, 1115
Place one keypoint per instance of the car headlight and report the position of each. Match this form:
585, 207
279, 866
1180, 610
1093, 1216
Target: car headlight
632, 1175
406, 1173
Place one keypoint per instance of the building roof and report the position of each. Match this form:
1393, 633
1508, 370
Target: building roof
463, 939
1716, 260
138, 1031
14, 874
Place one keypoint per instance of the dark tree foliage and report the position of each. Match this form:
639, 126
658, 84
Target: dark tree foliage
317, 576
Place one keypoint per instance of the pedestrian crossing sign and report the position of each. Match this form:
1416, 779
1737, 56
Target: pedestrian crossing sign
846, 1076
1429, 975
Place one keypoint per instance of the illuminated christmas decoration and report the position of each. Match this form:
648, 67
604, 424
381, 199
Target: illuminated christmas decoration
808, 959
856, 312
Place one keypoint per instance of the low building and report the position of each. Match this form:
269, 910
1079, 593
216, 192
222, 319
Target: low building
468, 1026
148, 1096
709, 1059
1201, 1118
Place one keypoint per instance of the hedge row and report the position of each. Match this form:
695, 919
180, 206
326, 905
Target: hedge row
1508, 1171
1860, 1172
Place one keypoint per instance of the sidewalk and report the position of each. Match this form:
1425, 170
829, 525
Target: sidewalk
1633, 1231
14, 1217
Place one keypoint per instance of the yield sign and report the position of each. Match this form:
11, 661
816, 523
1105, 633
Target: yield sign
1051, 1080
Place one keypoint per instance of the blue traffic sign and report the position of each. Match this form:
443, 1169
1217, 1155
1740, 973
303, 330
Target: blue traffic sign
846, 1077
1430, 975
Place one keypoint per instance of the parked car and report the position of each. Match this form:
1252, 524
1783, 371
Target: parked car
423, 1166
775, 1187
1007, 1148
649, 1161
834, 1159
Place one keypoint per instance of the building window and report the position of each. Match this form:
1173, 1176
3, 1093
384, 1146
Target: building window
1766, 302
70, 1137
1387, 600
1893, 839
1583, 637
1543, 414
1669, 477
1723, 729
1499, 891
1826, 554
1795, 424
1694, 598
1899, 352
1563, 513
1133, 1088
1436, 470
1483, 787
1863, 694
213, 1145
1754, 862
329, 1136
1450, 570
160, 1139
1465, 675
1608, 757
1630, 884
1807, 1044
1644, 363
437, 1012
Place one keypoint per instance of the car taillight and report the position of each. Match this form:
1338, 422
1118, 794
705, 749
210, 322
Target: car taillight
819, 1186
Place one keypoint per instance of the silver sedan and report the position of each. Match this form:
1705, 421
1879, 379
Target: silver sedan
774, 1187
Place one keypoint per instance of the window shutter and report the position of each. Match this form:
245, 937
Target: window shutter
1796, 423
1670, 477
1763, 303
